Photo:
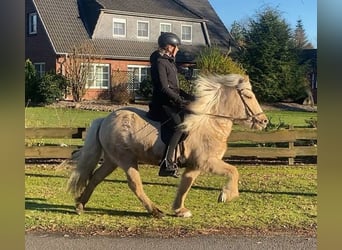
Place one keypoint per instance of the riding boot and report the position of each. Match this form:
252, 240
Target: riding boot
167, 166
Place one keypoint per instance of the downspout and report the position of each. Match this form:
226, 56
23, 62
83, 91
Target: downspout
206, 34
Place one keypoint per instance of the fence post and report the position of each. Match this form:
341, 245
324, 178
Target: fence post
291, 147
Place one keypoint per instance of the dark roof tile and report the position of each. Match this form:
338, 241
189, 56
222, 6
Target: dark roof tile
65, 27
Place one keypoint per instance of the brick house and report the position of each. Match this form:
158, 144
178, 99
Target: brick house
123, 34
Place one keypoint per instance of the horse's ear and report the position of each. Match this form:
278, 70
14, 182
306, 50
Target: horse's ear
246, 78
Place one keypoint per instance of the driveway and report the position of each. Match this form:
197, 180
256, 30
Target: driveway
34, 241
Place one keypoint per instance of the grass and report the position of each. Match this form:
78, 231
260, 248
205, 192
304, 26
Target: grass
67, 117
40, 117
272, 198
278, 199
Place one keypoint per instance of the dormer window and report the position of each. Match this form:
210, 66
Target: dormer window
165, 27
32, 23
186, 33
143, 29
119, 27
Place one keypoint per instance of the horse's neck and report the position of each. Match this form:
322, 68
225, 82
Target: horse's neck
217, 129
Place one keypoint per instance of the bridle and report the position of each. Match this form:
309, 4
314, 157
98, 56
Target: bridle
250, 115
249, 112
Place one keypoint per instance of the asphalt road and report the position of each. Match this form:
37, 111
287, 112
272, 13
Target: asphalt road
56, 242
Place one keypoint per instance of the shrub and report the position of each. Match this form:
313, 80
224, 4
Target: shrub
145, 88
50, 88
120, 94
43, 90
212, 60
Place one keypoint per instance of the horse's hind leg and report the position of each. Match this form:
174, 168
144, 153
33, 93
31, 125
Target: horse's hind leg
135, 184
98, 176
230, 190
187, 180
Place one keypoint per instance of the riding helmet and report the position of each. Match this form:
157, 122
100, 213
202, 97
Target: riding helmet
168, 38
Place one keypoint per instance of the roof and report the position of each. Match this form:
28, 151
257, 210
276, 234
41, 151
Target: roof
71, 22
218, 33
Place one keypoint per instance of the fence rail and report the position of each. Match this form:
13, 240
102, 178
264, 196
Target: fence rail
287, 143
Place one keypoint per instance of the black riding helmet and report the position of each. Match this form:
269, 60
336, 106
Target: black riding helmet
168, 38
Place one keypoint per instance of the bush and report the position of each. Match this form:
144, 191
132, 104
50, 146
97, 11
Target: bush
145, 88
43, 90
31, 80
212, 60
120, 94
50, 88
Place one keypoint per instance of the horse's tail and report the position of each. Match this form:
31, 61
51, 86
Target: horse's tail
86, 159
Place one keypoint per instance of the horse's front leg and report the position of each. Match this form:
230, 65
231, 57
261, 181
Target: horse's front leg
135, 184
230, 190
187, 180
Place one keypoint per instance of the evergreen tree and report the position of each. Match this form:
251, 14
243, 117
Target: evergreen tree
270, 58
300, 39
31, 79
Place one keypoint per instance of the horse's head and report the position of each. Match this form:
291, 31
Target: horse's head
226, 96
255, 117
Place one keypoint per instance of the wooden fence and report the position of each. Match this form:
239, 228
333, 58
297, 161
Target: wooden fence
285, 143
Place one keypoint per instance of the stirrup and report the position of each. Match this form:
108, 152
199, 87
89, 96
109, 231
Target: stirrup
166, 172
164, 164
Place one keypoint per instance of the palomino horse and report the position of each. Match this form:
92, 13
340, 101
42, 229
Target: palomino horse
126, 137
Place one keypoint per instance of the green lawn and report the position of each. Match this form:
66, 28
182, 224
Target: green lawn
273, 199
68, 117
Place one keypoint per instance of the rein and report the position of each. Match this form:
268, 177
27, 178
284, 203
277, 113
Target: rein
248, 110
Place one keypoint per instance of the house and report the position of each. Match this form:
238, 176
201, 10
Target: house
123, 34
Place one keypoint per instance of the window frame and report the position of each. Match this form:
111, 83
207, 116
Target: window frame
121, 21
32, 23
182, 33
92, 77
136, 84
167, 24
148, 29
40, 68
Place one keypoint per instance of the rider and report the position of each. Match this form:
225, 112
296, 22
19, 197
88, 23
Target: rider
168, 100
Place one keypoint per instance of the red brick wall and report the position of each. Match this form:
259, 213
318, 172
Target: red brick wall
95, 94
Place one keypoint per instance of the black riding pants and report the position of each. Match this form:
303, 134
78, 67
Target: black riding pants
176, 117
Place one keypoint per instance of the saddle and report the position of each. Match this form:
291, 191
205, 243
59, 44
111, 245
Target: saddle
166, 131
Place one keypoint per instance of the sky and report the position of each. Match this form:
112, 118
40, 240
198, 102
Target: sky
290, 10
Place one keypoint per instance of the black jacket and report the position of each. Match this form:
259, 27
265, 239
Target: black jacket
165, 83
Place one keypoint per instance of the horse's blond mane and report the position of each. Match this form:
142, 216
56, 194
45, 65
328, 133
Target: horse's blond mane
209, 91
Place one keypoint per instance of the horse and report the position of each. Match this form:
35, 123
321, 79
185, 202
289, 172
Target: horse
127, 137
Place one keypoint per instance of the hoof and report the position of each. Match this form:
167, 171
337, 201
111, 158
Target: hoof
227, 196
79, 208
184, 213
157, 213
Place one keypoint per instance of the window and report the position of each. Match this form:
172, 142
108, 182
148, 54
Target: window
119, 27
143, 29
40, 68
98, 76
136, 74
165, 27
32, 23
187, 33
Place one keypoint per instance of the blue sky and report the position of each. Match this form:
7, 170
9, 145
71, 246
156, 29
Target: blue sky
291, 10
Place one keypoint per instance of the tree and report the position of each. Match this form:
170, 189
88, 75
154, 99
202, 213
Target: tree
270, 58
300, 39
45, 89
31, 80
77, 68
238, 32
